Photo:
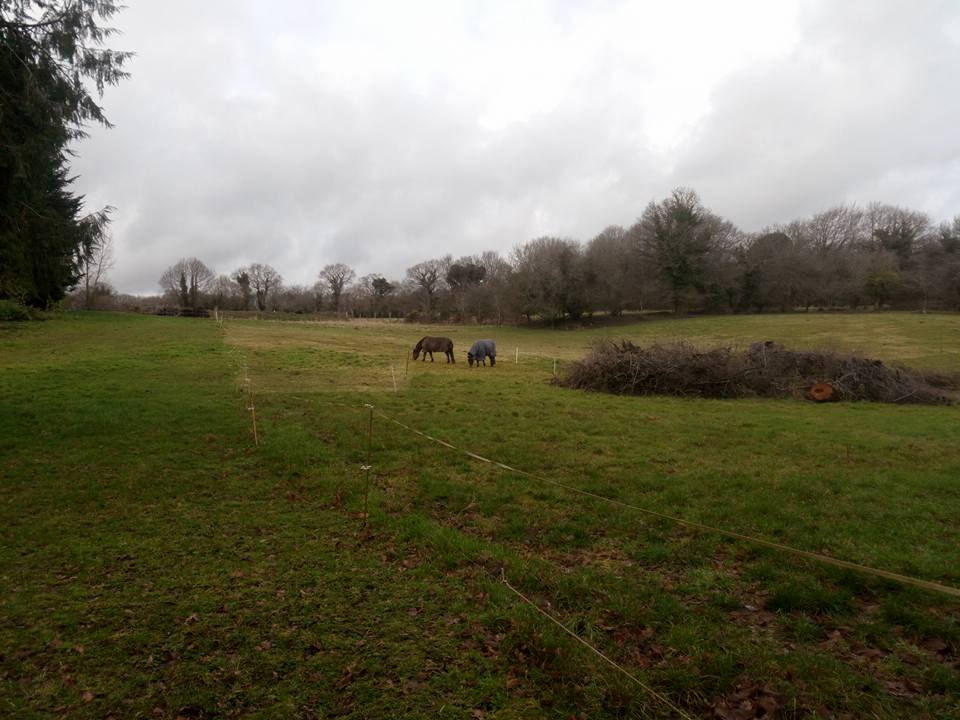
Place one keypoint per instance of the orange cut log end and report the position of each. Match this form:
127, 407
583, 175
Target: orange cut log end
822, 392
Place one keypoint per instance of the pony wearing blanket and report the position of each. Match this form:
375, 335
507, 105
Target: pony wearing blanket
434, 344
480, 351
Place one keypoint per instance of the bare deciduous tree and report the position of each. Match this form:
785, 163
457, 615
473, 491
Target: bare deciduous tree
96, 253
428, 277
264, 280
225, 291
897, 230
337, 276
609, 263
550, 278
187, 280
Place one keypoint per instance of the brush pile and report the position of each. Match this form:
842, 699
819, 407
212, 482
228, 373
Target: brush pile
766, 369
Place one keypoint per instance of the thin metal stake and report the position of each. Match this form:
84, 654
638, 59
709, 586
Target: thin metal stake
394, 376
517, 359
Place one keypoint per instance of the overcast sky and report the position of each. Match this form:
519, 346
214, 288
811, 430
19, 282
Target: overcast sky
380, 134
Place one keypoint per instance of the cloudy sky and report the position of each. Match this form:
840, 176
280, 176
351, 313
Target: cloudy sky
303, 132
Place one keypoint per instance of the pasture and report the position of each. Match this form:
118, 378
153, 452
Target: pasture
156, 563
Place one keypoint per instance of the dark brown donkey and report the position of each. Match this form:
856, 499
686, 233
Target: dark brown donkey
432, 345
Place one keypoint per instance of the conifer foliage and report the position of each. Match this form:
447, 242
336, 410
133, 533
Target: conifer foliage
53, 69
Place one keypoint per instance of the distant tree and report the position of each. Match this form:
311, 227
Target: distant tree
337, 276
51, 65
225, 293
294, 299
948, 275
96, 254
318, 290
187, 280
948, 236
428, 277
881, 282
493, 293
463, 277
465, 272
264, 280
242, 278
834, 229
897, 230
933, 275
678, 234
184, 291
549, 279
609, 263
381, 288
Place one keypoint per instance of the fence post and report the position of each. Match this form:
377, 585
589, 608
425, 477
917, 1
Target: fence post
248, 386
366, 468
253, 415
516, 360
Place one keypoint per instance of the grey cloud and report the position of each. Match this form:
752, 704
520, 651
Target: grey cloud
858, 112
233, 145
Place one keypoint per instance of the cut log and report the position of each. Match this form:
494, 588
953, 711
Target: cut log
822, 392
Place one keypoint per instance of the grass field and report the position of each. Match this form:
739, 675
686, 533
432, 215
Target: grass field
156, 563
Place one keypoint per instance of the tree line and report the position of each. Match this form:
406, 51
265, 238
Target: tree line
678, 255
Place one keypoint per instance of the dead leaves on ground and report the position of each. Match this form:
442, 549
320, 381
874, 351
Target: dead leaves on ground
749, 701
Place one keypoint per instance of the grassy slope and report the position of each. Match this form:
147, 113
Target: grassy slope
158, 565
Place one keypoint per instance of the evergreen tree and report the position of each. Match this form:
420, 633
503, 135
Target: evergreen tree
49, 53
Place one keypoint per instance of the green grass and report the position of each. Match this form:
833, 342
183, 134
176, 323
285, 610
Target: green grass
156, 563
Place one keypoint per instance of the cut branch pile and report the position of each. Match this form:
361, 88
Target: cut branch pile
766, 369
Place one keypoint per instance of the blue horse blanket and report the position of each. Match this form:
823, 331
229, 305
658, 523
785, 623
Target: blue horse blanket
480, 350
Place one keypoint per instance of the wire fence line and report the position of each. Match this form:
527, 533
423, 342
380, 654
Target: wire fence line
502, 578
501, 575
613, 663
652, 692
703, 527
